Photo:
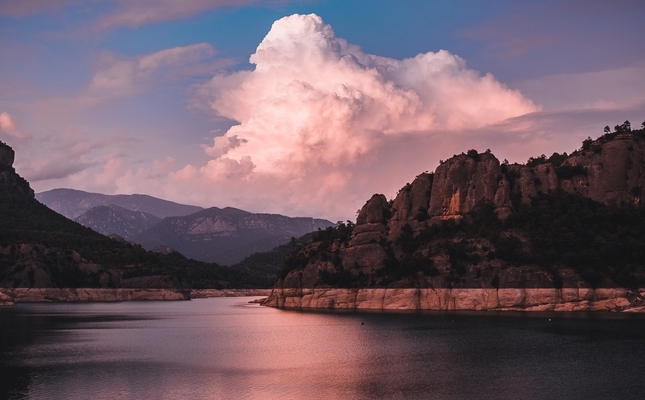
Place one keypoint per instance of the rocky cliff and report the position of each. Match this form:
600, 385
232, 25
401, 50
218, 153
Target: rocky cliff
9, 180
552, 223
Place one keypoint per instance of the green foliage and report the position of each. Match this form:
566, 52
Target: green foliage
342, 278
596, 240
473, 154
271, 262
409, 244
569, 171
342, 232
556, 159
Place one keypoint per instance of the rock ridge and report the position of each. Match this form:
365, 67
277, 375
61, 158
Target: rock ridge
447, 231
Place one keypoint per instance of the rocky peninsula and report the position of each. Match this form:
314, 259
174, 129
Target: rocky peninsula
559, 233
460, 299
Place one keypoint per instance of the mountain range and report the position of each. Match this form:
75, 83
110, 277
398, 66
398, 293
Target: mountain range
221, 235
43, 249
74, 203
113, 219
226, 235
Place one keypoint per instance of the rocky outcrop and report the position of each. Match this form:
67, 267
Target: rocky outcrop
463, 182
10, 182
408, 243
411, 205
6, 155
516, 299
614, 172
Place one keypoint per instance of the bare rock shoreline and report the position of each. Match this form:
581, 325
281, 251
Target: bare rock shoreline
566, 299
9, 296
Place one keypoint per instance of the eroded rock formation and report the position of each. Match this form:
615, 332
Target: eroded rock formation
392, 243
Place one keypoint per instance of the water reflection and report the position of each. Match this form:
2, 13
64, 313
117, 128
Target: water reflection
227, 348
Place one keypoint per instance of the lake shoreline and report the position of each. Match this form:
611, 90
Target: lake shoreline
10, 296
461, 299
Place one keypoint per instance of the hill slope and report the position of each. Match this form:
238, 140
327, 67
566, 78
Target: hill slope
113, 219
226, 235
41, 248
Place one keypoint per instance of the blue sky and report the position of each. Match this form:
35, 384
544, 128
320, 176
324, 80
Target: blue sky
123, 97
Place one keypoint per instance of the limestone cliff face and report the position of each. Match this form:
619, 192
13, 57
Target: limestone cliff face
463, 182
392, 243
614, 171
609, 172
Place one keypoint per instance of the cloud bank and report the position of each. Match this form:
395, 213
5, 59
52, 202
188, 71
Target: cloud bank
317, 114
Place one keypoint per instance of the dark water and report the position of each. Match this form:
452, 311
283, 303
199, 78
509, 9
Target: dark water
227, 348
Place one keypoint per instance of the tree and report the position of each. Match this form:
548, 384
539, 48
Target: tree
586, 144
607, 129
627, 127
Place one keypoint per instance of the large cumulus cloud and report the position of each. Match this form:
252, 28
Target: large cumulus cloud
316, 114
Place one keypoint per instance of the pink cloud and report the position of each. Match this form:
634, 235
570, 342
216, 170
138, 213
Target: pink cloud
316, 114
9, 126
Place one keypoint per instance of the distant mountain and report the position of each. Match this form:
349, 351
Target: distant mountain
74, 203
227, 235
41, 248
117, 220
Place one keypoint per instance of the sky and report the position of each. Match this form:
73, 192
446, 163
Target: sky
304, 108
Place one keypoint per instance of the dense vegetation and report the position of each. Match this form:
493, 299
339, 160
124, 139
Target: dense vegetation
26, 221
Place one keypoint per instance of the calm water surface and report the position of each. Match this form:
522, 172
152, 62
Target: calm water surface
227, 348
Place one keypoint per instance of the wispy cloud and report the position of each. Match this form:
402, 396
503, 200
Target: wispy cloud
135, 13
614, 88
21, 8
122, 77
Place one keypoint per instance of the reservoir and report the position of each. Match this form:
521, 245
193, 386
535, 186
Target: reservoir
228, 348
